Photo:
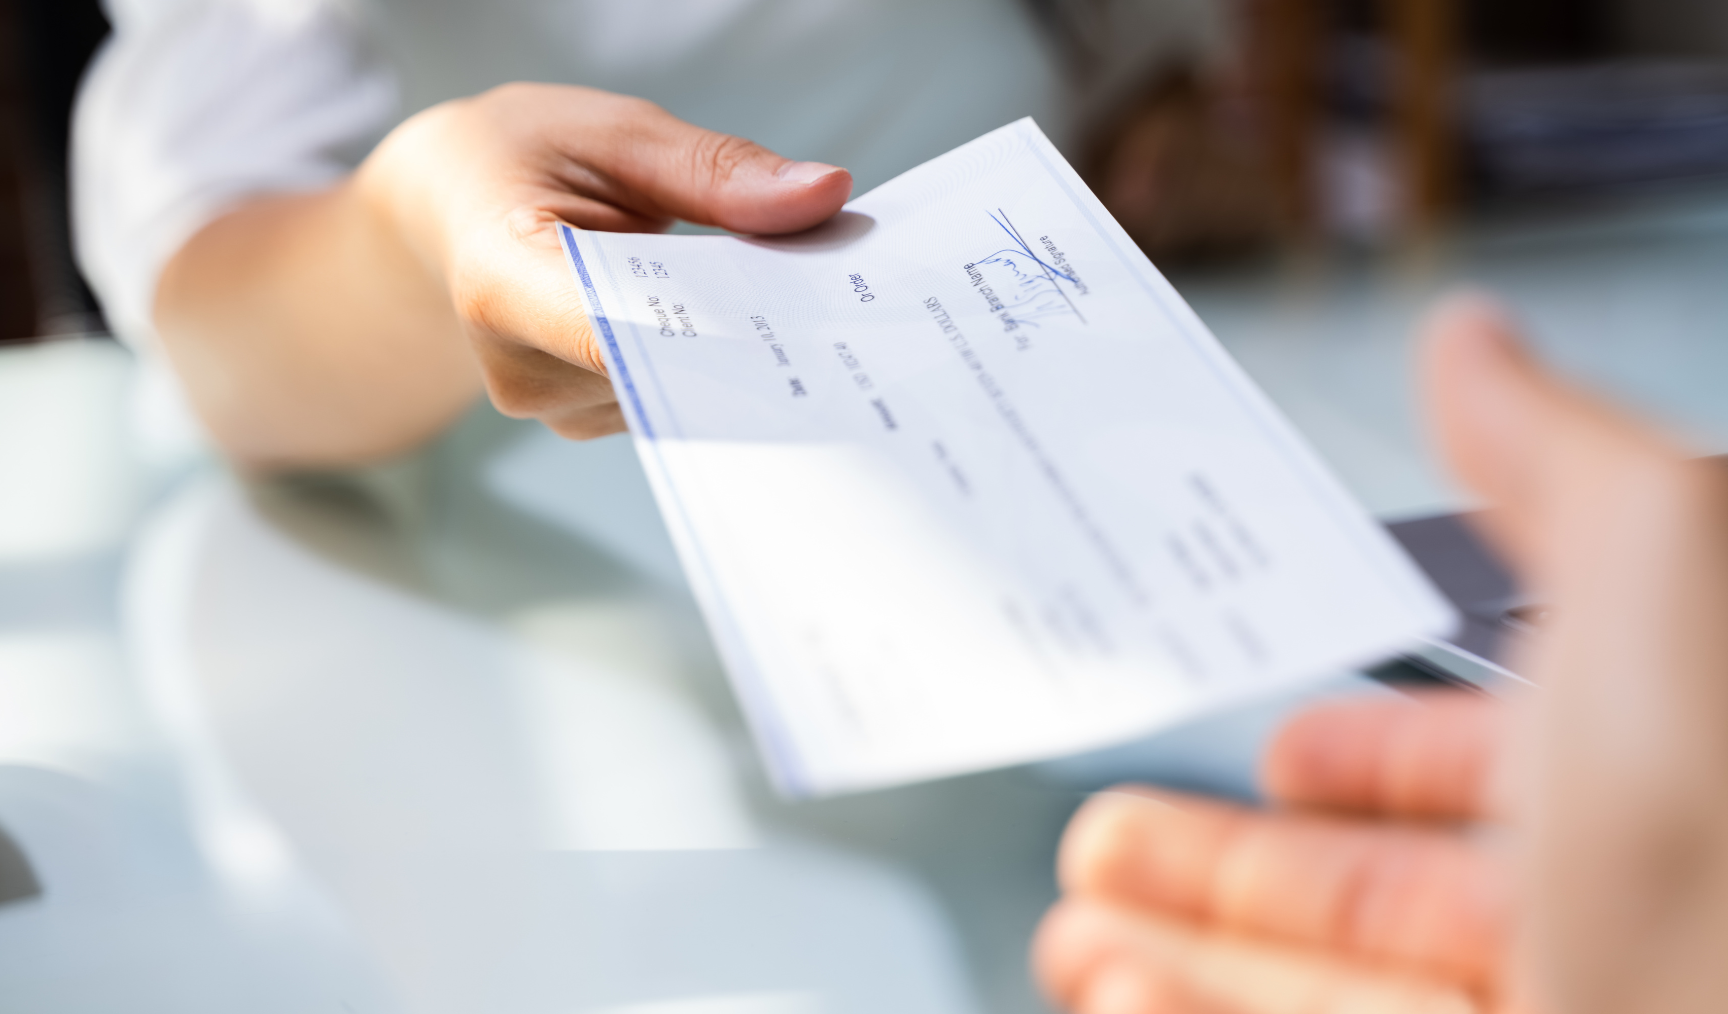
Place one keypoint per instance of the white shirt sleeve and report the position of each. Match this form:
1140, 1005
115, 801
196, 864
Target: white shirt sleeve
194, 105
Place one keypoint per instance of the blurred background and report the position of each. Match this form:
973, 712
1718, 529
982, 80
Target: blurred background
44, 47
1365, 123
1326, 125
262, 745
1339, 164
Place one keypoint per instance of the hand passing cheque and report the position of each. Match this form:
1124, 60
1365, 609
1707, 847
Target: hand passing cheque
960, 481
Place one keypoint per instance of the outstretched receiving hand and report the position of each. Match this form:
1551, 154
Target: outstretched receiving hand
1365, 888
1372, 884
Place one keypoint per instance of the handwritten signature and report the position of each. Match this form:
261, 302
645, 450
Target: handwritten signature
1022, 288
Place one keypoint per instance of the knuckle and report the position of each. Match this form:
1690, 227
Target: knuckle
512, 398
520, 391
589, 422
1369, 889
634, 108
584, 346
477, 307
716, 158
628, 117
513, 92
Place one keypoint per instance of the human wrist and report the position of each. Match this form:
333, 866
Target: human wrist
397, 199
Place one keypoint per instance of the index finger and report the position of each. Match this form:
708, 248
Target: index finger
1430, 757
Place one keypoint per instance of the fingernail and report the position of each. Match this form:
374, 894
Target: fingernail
805, 172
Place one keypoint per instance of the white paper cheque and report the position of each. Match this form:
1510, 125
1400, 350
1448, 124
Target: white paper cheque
961, 481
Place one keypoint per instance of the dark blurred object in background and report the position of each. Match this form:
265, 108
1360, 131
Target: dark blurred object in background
1544, 98
1182, 169
44, 48
1376, 122
1538, 31
1608, 124
1362, 121
1330, 118
17, 301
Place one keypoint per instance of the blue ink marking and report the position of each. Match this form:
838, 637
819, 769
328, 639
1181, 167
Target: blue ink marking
1020, 244
1035, 288
1049, 272
774, 734
605, 325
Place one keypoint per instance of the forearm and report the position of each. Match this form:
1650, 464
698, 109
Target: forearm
306, 334
343, 326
